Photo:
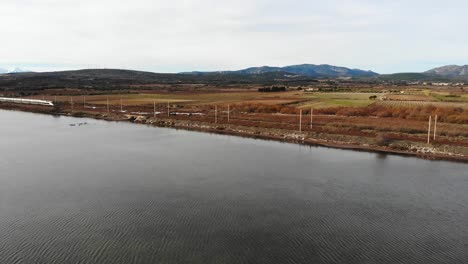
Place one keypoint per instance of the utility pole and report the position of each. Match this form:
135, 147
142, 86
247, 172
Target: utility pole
311, 117
300, 120
435, 127
429, 130
216, 114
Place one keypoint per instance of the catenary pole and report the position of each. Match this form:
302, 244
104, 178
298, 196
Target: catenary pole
311, 117
300, 120
429, 130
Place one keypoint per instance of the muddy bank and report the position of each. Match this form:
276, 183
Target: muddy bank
400, 147
314, 139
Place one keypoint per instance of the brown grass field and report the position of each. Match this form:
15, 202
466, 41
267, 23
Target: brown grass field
396, 116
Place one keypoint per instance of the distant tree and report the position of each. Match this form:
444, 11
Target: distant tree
272, 89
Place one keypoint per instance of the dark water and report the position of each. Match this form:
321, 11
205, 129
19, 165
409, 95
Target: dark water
121, 193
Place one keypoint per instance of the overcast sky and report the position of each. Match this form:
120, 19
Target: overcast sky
184, 35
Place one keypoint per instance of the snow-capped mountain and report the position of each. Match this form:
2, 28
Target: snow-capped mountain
12, 70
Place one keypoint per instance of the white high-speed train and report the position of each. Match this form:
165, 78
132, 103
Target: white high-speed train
25, 101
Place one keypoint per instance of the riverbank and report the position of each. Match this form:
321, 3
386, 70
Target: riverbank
118, 192
358, 143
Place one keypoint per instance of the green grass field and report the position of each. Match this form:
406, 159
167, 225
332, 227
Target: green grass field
298, 99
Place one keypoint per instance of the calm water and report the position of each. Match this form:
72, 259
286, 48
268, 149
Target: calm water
122, 193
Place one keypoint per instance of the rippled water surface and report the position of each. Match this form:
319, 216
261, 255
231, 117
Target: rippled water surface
109, 192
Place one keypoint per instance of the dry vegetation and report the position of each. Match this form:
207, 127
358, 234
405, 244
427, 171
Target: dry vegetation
378, 117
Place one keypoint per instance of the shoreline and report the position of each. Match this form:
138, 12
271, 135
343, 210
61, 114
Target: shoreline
281, 135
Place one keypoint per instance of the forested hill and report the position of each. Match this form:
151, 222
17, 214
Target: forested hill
115, 78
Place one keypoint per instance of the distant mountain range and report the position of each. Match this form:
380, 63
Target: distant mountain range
450, 71
295, 75
15, 70
310, 70
447, 73
444, 73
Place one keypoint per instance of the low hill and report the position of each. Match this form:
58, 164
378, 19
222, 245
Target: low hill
116, 78
406, 76
421, 77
